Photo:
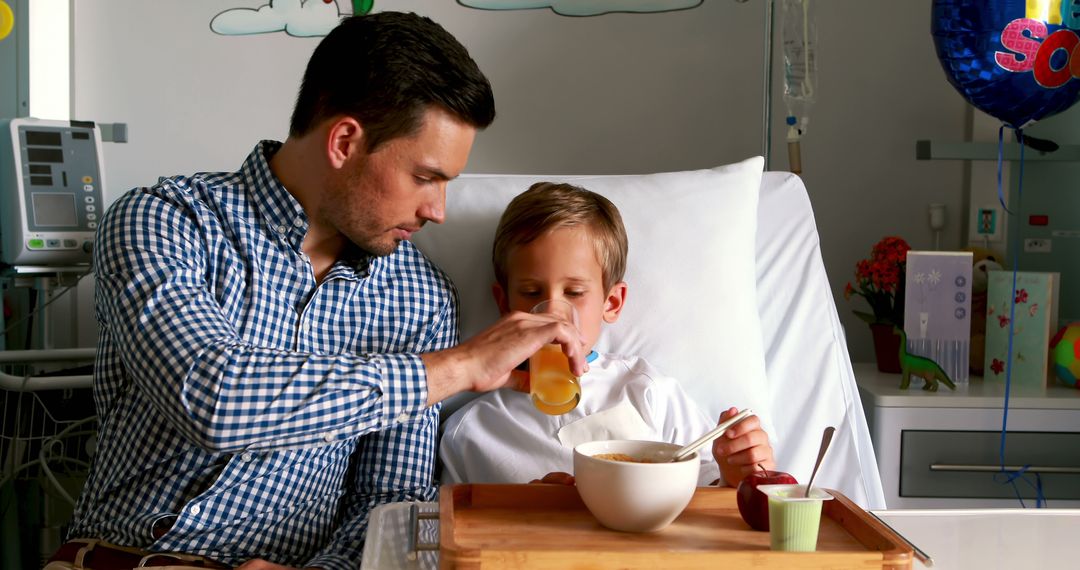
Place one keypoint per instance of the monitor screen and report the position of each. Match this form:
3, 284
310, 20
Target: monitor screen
53, 155
43, 138
54, 210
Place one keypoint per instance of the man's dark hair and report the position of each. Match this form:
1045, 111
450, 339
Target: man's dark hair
385, 70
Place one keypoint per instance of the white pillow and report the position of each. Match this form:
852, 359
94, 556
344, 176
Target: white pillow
691, 306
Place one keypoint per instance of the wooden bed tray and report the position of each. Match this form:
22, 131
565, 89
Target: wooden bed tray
547, 526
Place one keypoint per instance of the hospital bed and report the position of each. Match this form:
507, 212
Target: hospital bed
727, 293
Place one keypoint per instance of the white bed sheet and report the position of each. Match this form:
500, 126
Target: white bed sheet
811, 382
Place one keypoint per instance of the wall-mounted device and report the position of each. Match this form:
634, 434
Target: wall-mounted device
51, 191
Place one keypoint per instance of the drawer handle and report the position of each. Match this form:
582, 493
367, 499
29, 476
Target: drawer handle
997, 468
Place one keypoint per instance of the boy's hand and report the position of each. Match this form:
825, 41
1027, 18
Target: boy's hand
555, 478
742, 448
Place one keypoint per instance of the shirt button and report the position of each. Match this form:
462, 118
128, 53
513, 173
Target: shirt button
328, 437
282, 229
403, 417
297, 222
245, 457
195, 510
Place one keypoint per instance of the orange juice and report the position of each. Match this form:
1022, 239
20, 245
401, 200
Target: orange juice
554, 389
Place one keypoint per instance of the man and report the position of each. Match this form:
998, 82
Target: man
273, 350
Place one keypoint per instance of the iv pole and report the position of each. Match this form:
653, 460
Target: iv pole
766, 112
766, 106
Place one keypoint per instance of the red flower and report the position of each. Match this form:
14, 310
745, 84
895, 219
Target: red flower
997, 366
878, 280
1003, 321
1021, 296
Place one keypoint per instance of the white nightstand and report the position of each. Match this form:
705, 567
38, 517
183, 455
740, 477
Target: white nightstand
940, 449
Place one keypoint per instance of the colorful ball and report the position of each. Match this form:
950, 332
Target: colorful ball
1065, 347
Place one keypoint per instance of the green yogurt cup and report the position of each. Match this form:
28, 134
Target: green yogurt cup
794, 520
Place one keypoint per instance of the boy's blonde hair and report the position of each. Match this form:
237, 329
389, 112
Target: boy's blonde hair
547, 206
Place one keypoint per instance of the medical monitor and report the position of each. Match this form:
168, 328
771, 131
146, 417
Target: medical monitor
51, 199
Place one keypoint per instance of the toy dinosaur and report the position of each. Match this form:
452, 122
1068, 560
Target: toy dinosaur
915, 365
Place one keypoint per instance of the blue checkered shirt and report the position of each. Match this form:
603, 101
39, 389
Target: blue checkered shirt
256, 411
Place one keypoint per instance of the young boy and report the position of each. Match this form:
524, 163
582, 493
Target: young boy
558, 241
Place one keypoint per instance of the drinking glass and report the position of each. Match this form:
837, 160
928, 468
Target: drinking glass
553, 387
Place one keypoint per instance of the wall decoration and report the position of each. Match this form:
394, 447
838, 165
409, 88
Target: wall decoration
7, 20
585, 7
309, 18
299, 18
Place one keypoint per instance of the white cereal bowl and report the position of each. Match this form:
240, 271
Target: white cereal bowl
634, 497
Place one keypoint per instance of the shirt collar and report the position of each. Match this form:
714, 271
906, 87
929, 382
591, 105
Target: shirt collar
282, 215
358, 261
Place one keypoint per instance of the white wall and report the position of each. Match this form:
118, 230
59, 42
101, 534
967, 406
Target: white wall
49, 59
620, 93
881, 89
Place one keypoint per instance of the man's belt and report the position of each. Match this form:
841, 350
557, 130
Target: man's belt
94, 554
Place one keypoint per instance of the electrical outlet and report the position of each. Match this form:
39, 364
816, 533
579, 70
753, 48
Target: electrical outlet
1036, 245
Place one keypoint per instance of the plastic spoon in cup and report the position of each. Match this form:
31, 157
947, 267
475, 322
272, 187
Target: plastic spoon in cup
826, 439
714, 433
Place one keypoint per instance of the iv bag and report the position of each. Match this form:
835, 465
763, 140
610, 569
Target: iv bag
800, 61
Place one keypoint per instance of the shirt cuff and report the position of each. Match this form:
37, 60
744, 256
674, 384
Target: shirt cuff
405, 389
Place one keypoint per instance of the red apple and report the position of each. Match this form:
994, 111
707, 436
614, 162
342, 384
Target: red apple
754, 504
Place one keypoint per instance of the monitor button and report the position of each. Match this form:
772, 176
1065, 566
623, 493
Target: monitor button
35, 244
52, 243
71, 243
87, 246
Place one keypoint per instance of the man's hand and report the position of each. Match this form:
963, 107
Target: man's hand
484, 362
742, 447
555, 478
260, 564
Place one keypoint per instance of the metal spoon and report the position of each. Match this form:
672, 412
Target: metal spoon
687, 450
826, 439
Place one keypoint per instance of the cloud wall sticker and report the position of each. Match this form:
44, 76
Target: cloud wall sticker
585, 7
300, 18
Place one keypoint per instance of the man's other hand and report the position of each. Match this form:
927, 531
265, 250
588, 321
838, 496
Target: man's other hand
260, 564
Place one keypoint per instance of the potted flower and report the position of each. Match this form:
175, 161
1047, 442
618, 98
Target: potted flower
880, 280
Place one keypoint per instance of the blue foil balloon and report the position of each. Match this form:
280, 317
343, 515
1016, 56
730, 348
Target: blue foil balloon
1016, 60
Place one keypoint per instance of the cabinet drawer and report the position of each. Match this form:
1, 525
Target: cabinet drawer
966, 464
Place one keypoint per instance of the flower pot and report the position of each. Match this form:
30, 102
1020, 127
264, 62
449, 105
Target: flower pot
886, 348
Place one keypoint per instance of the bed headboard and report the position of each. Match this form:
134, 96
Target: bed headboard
719, 260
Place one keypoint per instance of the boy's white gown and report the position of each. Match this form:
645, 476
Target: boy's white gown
500, 437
